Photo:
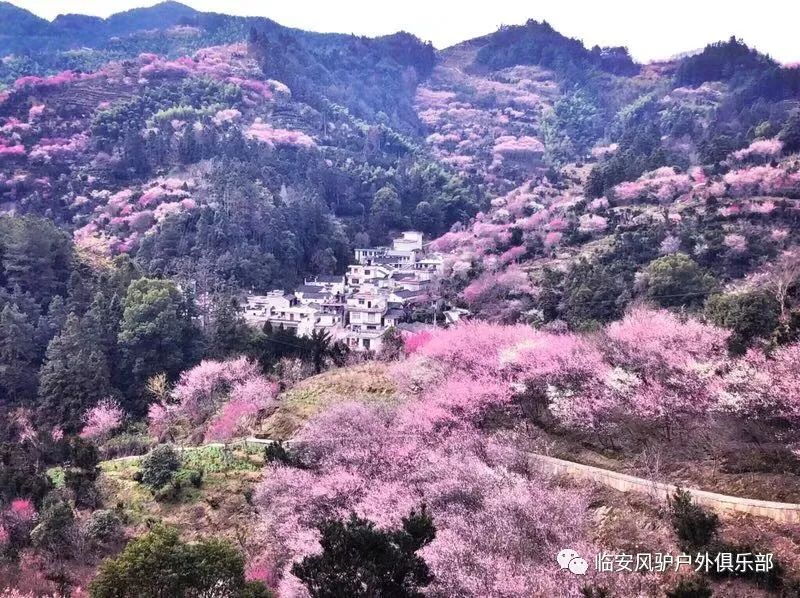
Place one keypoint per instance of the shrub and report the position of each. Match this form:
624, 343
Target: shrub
82, 471
255, 589
790, 133
694, 526
359, 560
103, 526
276, 453
54, 532
127, 444
676, 280
196, 478
190, 476
750, 314
160, 466
169, 492
392, 346
160, 564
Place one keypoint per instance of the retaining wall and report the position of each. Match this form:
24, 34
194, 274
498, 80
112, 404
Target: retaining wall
778, 511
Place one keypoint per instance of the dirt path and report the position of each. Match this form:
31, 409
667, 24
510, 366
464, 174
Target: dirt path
721, 503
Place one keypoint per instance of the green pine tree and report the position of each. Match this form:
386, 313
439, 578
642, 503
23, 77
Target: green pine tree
74, 377
17, 355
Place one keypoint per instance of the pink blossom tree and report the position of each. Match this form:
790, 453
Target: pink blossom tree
761, 149
215, 400
497, 530
102, 420
247, 400
669, 368
265, 133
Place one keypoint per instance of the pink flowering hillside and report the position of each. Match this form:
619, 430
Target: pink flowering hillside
539, 244
308, 314
456, 443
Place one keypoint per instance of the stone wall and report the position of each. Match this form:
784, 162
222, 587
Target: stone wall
778, 511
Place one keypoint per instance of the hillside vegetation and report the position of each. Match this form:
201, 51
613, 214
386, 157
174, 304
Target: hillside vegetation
622, 240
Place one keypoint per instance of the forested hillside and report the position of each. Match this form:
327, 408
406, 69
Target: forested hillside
623, 238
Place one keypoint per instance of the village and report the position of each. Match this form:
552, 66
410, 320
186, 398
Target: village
378, 292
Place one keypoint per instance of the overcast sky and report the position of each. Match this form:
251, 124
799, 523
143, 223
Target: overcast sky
650, 30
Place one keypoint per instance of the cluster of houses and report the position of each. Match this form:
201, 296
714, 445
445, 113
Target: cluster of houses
377, 292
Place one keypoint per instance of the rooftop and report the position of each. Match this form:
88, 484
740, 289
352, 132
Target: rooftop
329, 278
309, 290
408, 294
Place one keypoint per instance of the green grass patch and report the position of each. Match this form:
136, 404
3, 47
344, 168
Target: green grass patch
219, 459
367, 383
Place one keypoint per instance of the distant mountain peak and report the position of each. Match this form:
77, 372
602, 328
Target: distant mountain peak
18, 21
167, 4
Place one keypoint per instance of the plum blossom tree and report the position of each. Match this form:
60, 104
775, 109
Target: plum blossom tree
552, 238
592, 223
102, 420
496, 530
492, 291
762, 149
736, 242
246, 400
518, 146
22, 509
215, 400
412, 342
349, 478
670, 244
672, 366
265, 133
761, 386
653, 369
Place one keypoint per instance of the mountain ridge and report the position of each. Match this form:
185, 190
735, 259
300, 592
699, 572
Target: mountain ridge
168, 13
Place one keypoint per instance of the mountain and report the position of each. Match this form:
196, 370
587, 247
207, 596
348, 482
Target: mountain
538, 43
623, 239
299, 127
72, 31
380, 134
19, 22
159, 16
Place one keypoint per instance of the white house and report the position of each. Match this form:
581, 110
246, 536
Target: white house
333, 284
408, 241
365, 323
258, 308
360, 306
361, 274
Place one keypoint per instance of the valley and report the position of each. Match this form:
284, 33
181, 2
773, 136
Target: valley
299, 314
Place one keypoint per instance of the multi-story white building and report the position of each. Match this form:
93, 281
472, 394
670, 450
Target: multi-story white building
403, 252
366, 274
359, 307
300, 318
409, 241
433, 263
365, 326
333, 284
259, 308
